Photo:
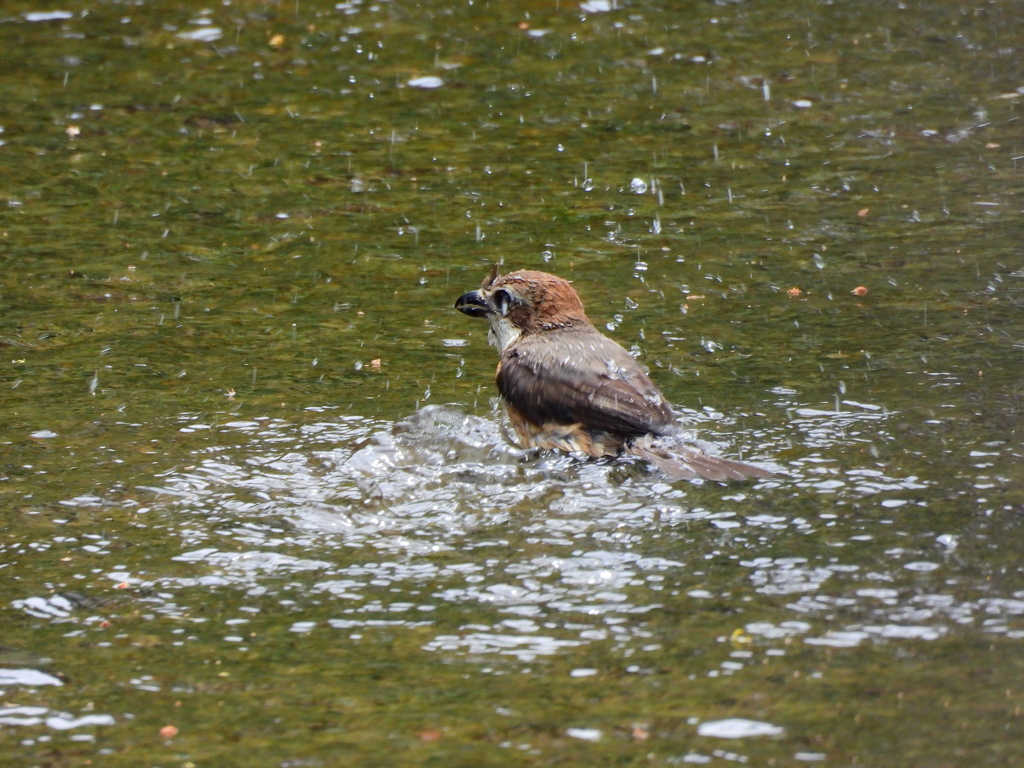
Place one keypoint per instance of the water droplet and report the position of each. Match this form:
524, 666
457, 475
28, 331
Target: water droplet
48, 15
547, 255
638, 186
427, 82
819, 262
588, 185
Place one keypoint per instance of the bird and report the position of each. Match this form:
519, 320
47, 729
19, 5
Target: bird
568, 387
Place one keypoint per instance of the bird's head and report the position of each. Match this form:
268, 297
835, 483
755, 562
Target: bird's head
523, 302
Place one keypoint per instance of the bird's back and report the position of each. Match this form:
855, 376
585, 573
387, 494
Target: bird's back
578, 376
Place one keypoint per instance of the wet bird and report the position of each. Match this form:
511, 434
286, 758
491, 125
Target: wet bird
568, 387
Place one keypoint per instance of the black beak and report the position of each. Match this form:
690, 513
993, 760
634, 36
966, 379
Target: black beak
472, 304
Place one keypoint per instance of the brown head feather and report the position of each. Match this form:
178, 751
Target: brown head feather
491, 277
545, 301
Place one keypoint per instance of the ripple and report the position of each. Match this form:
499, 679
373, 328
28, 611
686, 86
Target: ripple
26, 677
383, 524
58, 721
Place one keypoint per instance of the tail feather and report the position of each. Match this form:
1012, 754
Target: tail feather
686, 462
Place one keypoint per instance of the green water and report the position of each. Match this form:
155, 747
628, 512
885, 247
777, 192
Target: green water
253, 481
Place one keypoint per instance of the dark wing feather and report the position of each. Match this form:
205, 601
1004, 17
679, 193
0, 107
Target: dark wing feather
581, 377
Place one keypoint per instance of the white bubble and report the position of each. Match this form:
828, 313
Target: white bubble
586, 734
427, 82
48, 15
203, 35
737, 728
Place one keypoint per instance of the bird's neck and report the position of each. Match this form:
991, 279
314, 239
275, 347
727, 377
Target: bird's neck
503, 332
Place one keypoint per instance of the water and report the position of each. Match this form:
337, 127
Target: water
258, 498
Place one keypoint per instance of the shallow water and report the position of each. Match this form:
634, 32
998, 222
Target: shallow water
260, 505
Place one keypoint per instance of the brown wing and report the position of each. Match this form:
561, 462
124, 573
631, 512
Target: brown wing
581, 377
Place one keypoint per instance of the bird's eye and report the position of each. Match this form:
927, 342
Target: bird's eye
502, 300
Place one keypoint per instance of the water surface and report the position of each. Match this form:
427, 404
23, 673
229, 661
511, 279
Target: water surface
260, 506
